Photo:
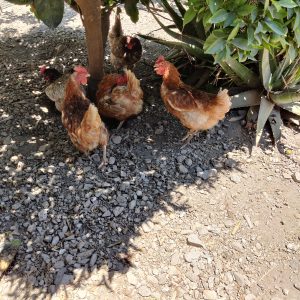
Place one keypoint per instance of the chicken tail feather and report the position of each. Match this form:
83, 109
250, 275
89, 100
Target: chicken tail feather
223, 104
116, 30
133, 84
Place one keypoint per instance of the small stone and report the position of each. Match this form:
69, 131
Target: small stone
82, 294
239, 278
194, 240
183, 169
146, 226
210, 295
118, 210
144, 291
111, 160
66, 279
116, 139
93, 260
55, 240
296, 177
192, 255
230, 163
188, 162
285, 292
250, 297
292, 247
207, 174
175, 259
59, 264
132, 278
132, 204
235, 178
287, 175
159, 130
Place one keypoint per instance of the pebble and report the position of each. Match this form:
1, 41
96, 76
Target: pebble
235, 178
239, 278
111, 160
132, 279
230, 163
292, 247
116, 139
55, 240
296, 177
192, 255
207, 174
118, 210
194, 240
144, 291
210, 295
250, 297
93, 260
132, 204
175, 259
285, 292
183, 169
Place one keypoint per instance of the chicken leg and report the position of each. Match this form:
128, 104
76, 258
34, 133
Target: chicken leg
189, 137
104, 158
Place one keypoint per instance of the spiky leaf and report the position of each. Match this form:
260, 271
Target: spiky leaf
292, 107
265, 109
245, 99
265, 69
276, 123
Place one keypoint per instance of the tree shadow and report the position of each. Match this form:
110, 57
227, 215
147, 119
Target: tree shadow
76, 222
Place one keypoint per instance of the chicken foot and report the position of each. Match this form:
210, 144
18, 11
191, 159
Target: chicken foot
104, 158
120, 125
189, 137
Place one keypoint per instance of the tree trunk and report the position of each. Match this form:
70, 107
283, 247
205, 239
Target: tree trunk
91, 18
105, 14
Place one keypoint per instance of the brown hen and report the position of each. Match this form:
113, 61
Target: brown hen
81, 118
196, 110
119, 96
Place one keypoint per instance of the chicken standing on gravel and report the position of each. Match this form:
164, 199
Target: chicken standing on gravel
196, 110
119, 96
81, 118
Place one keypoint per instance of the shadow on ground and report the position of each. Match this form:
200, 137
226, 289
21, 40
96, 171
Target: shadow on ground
72, 219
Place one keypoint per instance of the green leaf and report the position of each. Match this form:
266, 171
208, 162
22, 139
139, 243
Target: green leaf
276, 27
50, 12
20, 2
247, 76
175, 17
189, 15
240, 43
213, 44
287, 3
292, 107
276, 123
265, 69
285, 97
245, 99
132, 10
219, 16
245, 10
265, 109
234, 32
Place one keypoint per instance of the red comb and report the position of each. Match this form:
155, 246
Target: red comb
160, 59
80, 69
42, 69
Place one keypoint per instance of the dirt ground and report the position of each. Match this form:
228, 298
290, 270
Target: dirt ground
218, 219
